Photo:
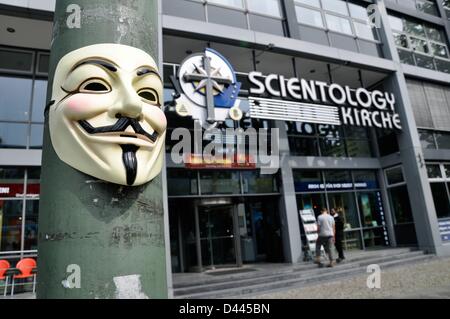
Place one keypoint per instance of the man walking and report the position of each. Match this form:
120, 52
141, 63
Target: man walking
326, 230
339, 226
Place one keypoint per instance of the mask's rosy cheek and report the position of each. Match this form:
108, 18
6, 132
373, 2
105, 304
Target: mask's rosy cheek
80, 106
162, 119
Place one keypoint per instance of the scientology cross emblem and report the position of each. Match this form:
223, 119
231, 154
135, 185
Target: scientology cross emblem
210, 79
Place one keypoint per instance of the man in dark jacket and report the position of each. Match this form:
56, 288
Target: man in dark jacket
338, 221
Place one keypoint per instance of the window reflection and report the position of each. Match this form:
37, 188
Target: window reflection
11, 222
220, 182
31, 225
370, 209
13, 135
15, 97
255, 182
182, 182
269, 7
39, 99
231, 3
37, 136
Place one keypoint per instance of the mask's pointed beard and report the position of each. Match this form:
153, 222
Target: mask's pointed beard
130, 162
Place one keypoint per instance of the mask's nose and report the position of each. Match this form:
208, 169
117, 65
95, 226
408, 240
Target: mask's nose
129, 104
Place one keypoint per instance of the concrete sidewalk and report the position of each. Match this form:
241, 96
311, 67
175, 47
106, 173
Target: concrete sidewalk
421, 281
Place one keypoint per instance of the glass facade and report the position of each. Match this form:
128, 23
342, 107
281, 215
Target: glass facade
23, 90
328, 141
421, 6
439, 176
420, 43
263, 16
357, 193
446, 5
434, 140
19, 206
338, 23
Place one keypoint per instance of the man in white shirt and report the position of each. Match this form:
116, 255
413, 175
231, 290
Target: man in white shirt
327, 231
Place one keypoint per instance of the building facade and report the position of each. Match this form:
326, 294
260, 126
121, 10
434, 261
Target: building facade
393, 185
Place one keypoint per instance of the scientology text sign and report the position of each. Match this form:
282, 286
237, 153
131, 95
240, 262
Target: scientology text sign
276, 97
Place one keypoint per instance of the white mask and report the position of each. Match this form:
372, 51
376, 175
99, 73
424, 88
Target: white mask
106, 119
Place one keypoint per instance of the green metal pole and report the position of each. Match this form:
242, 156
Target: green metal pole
107, 238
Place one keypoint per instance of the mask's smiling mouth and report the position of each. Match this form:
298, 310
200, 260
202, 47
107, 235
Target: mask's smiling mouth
120, 130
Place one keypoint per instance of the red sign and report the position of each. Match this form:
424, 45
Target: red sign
217, 162
17, 190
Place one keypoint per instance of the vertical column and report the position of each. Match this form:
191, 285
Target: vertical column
443, 14
99, 239
290, 226
419, 190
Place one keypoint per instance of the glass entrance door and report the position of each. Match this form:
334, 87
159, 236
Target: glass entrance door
217, 235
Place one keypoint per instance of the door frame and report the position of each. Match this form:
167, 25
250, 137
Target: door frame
236, 236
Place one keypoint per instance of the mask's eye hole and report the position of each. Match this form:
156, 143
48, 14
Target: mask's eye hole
95, 86
149, 95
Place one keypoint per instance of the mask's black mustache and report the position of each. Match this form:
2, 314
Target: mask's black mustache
120, 126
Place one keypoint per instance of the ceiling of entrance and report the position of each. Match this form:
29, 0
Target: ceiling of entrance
28, 33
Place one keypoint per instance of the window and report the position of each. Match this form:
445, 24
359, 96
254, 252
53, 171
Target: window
434, 139
309, 16
428, 7
420, 44
337, 6
440, 190
423, 6
15, 60
346, 201
364, 30
344, 17
441, 199
358, 12
369, 207
446, 4
434, 171
327, 140
15, 98
182, 182
312, 3
23, 92
400, 204
18, 210
231, 3
220, 182
434, 34
338, 24
256, 183
349, 192
269, 7
308, 181
394, 175
427, 140
439, 50
401, 40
